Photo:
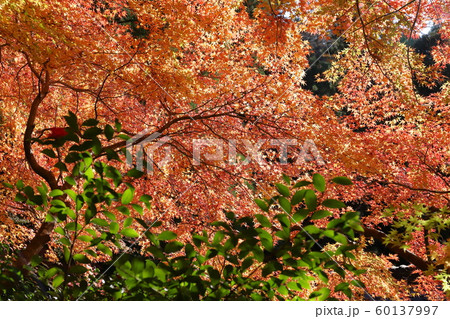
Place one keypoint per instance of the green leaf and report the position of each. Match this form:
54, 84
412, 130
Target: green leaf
285, 204
267, 269
71, 120
300, 215
97, 146
334, 223
138, 208
100, 222
52, 271
135, 173
333, 203
71, 193
49, 217
266, 239
90, 122
114, 174
49, 153
81, 258
109, 132
322, 275
173, 247
124, 210
91, 232
90, 252
117, 125
77, 269
342, 286
283, 290
262, 204
28, 190
351, 216
298, 197
35, 260
319, 182
114, 227
79, 202
86, 145
142, 223
311, 199
61, 166
73, 226
293, 286
146, 200
129, 232
340, 238
58, 203
311, 229
112, 155
72, 157
85, 238
19, 184
20, 198
105, 249
127, 196
358, 283
57, 281
341, 180
320, 295
286, 179
230, 215
8, 185
260, 70
43, 192
283, 190
320, 214
65, 241
60, 231
87, 159
218, 237
70, 180
284, 220
301, 184
167, 235
67, 211
110, 215
89, 174
56, 192
128, 222
92, 132
124, 137
263, 220
213, 274
355, 225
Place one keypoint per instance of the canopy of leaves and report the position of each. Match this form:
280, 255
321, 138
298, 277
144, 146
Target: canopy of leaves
354, 77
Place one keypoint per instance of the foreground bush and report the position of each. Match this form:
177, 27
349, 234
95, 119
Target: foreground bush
273, 255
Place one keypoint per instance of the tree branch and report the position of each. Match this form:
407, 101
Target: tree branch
380, 236
405, 254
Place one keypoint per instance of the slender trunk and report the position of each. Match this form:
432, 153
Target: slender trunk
42, 236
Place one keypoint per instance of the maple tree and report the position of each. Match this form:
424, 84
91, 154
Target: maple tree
235, 70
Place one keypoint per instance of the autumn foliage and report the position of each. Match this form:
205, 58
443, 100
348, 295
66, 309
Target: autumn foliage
101, 72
